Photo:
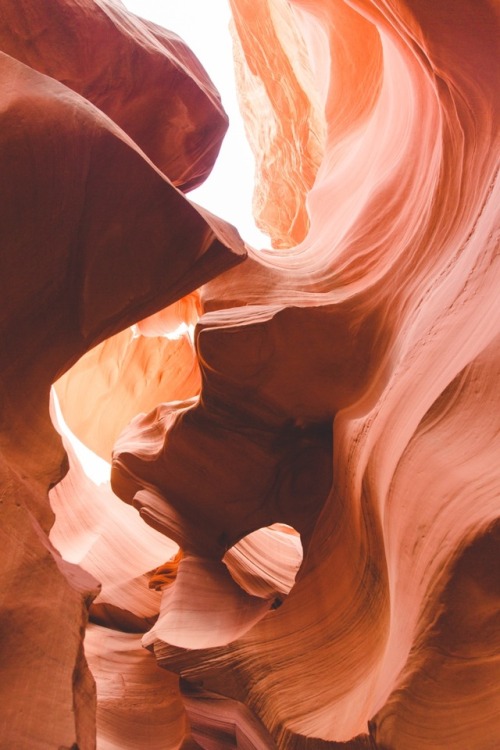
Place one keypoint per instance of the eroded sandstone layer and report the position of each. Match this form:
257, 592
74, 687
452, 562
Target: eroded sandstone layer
308, 551
94, 235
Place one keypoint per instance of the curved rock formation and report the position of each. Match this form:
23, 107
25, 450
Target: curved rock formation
140, 75
138, 703
94, 236
326, 494
376, 321
125, 374
283, 113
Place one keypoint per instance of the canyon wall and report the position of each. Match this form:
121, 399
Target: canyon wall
299, 543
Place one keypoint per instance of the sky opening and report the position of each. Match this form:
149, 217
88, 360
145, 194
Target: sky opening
204, 26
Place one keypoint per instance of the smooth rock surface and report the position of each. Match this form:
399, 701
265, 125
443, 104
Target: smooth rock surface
94, 236
312, 488
372, 331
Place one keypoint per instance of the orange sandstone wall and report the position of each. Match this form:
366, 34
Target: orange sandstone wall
320, 471
284, 116
351, 385
94, 235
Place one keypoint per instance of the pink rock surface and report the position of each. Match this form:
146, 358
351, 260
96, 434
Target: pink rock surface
94, 237
373, 329
284, 118
332, 479
139, 704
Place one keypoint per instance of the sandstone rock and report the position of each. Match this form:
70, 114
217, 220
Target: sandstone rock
139, 705
142, 76
348, 391
125, 374
94, 237
393, 278
284, 117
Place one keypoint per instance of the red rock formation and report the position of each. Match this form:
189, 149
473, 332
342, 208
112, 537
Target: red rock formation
375, 322
126, 67
138, 703
94, 236
349, 389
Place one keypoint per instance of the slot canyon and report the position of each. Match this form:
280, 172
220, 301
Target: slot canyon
291, 539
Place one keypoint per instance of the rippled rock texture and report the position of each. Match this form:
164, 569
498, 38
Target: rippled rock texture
94, 236
308, 552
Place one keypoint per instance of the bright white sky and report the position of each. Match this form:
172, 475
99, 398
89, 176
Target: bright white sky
203, 24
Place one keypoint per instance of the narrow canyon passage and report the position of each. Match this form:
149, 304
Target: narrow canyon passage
251, 495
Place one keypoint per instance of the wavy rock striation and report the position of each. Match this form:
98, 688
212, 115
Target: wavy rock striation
93, 236
320, 470
373, 331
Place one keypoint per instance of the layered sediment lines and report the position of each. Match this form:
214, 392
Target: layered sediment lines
374, 331
94, 236
309, 537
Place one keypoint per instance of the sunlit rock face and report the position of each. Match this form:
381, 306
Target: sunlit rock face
146, 72
94, 236
309, 537
284, 114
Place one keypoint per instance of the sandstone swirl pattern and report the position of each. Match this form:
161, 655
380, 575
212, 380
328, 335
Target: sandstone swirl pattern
321, 467
94, 235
